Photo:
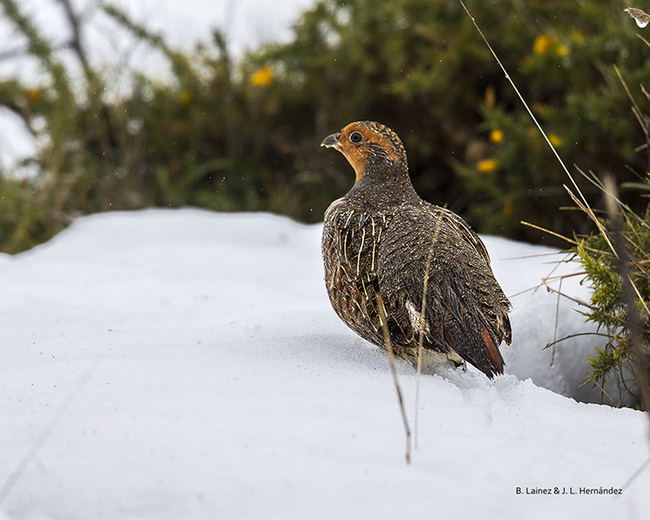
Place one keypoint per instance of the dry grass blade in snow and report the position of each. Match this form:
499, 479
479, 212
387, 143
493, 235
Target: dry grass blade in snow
422, 323
383, 317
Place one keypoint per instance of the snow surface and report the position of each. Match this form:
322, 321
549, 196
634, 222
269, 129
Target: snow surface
187, 364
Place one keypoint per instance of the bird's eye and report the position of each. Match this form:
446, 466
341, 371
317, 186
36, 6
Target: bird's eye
356, 137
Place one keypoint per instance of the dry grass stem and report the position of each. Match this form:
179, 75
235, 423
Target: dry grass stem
534, 226
557, 319
603, 393
643, 39
422, 322
564, 295
524, 257
383, 317
29, 457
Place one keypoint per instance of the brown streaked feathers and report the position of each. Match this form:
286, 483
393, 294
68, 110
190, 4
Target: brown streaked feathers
379, 239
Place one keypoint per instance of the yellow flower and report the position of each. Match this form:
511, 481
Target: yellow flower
487, 165
555, 139
34, 94
185, 96
262, 77
542, 44
561, 50
577, 36
496, 136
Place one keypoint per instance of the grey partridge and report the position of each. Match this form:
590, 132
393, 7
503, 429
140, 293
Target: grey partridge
390, 255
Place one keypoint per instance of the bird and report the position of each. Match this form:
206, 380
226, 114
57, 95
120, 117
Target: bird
405, 274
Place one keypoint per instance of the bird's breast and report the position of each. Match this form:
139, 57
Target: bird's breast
351, 240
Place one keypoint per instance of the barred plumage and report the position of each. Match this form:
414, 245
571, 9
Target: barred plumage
381, 237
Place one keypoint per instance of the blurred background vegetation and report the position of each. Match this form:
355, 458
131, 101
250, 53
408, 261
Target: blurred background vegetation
243, 134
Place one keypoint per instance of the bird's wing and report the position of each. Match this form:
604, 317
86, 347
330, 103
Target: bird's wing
466, 232
465, 309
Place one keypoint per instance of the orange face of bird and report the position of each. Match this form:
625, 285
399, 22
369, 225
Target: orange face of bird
363, 141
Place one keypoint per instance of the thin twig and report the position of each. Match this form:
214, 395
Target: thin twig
562, 276
76, 42
575, 300
547, 278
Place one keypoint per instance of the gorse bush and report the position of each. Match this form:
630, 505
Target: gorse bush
598, 253
243, 134
615, 258
420, 67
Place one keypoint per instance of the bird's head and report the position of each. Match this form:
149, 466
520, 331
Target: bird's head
369, 146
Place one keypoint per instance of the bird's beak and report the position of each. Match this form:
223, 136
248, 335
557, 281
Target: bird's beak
332, 141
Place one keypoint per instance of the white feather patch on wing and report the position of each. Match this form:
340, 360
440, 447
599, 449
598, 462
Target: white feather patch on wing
415, 317
430, 358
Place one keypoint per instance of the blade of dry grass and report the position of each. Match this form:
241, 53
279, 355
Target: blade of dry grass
557, 320
29, 457
635, 110
593, 217
564, 295
525, 257
422, 322
643, 39
534, 226
383, 317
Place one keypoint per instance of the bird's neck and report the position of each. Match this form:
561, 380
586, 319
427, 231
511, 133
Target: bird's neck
384, 184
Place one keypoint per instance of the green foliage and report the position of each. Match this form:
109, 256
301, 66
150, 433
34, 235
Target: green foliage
421, 67
243, 134
607, 306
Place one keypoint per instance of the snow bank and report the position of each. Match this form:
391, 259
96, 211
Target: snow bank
199, 372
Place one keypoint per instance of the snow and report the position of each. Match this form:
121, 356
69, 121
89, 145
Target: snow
187, 364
